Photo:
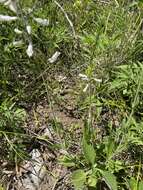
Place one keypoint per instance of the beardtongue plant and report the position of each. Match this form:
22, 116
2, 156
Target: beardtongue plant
16, 8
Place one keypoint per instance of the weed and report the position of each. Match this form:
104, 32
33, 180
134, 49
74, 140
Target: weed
96, 46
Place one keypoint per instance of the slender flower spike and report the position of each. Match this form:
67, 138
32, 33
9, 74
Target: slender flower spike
28, 28
17, 31
41, 21
54, 57
29, 50
7, 18
12, 5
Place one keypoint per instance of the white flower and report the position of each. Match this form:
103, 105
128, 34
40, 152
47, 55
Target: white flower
41, 21
17, 43
84, 77
12, 5
7, 18
98, 80
54, 57
29, 50
17, 31
2, 1
28, 28
86, 87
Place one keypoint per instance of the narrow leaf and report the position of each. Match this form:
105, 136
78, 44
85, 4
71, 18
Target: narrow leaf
89, 152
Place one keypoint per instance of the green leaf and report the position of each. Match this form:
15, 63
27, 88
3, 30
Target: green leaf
87, 131
133, 184
117, 84
89, 152
140, 187
110, 146
92, 181
78, 179
110, 179
67, 161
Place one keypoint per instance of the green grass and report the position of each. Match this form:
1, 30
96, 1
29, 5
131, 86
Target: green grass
101, 46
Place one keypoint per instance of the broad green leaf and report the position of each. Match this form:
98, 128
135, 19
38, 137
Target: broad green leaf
117, 84
133, 184
140, 187
78, 179
89, 152
110, 179
92, 181
1, 188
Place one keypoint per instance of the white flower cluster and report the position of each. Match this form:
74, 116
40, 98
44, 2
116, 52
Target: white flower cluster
12, 5
86, 78
54, 57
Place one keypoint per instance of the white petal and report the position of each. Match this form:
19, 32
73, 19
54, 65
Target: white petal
84, 77
2, 1
17, 43
54, 57
98, 80
7, 18
12, 5
29, 50
86, 87
41, 21
28, 28
17, 31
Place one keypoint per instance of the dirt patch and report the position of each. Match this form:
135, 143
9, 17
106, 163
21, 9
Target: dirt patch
48, 126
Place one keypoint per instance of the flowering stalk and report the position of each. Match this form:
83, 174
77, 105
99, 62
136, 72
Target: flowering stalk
14, 6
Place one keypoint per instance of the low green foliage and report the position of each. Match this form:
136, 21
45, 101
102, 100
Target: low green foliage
78, 179
100, 46
11, 131
110, 179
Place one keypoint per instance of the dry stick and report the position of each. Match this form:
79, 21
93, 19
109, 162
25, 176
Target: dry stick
69, 21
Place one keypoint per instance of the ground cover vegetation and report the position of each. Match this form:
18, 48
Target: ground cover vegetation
81, 63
